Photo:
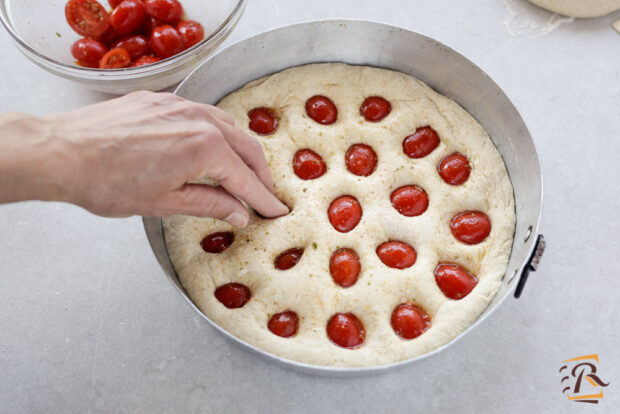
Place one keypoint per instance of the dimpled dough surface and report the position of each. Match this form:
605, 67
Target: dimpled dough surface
308, 288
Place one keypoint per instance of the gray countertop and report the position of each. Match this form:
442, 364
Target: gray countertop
88, 322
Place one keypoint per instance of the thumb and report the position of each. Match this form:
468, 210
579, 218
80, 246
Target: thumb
202, 200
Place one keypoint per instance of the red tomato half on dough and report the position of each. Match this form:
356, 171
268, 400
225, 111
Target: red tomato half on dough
322, 110
284, 324
308, 165
409, 321
346, 330
263, 120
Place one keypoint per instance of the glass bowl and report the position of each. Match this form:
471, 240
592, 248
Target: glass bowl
41, 32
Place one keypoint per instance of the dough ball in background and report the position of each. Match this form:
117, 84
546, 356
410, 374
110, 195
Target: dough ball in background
579, 8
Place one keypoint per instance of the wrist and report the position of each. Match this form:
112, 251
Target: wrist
32, 163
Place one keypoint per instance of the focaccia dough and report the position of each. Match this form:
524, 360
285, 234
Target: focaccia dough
308, 288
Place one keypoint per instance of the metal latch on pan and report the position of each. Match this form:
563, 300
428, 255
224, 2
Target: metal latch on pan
532, 264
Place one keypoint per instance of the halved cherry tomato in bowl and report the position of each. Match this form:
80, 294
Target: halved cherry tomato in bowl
107, 38
149, 30
87, 17
150, 23
88, 52
169, 11
145, 60
166, 41
115, 59
127, 17
191, 32
136, 45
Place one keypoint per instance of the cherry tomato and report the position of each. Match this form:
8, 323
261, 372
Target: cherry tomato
421, 143
263, 120
136, 45
454, 169
346, 330
345, 267
107, 38
166, 41
344, 213
169, 11
114, 3
288, 259
361, 160
217, 242
308, 165
87, 17
145, 60
396, 254
454, 281
127, 17
375, 108
88, 52
322, 110
409, 200
470, 227
115, 59
233, 295
409, 321
284, 324
150, 23
191, 32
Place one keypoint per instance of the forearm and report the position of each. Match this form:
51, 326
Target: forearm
32, 163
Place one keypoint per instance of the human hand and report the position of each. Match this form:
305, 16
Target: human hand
136, 155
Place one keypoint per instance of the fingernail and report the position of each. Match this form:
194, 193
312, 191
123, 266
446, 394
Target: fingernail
237, 219
286, 210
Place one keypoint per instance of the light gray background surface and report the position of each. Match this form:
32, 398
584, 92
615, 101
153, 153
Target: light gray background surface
88, 323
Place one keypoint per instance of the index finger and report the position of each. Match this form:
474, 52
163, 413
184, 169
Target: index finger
248, 148
240, 180
250, 151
